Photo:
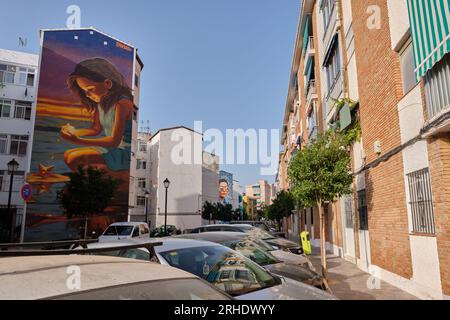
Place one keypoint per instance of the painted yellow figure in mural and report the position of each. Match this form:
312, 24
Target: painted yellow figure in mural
107, 143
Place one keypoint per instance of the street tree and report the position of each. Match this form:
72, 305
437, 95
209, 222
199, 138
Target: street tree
320, 174
89, 192
281, 207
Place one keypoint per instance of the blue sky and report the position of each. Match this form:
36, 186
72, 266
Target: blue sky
225, 62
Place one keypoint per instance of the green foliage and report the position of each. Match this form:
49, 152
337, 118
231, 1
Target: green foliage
281, 207
219, 211
88, 193
320, 172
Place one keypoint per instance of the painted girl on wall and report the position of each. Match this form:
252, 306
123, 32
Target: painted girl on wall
107, 144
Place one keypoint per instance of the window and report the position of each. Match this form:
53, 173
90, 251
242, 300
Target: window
23, 110
7, 73
328, 7
141, 165
142, 183
437, 90
19, 145
1, 183
421, 202
142, 146
135, 232
3, 143
5, 108
333, 67
407, 68
26, 77
140, 201
136, 81
362, 210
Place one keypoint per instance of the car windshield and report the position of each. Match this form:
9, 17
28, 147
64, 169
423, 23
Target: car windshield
176, 289
118, 231
259, 233
226, 269
252, 251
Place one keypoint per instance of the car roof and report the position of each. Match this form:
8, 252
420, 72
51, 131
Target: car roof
40, 277
225, 225
217, 237
168, 243
117, 224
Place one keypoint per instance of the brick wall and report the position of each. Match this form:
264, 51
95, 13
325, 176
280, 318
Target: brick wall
439, 157
380, 87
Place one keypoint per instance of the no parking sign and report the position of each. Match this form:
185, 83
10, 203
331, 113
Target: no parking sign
26, 192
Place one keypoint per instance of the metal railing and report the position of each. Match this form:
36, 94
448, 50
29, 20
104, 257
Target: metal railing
421, 202
310, 90
73, 251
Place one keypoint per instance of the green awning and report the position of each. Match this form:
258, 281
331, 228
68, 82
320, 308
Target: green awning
430, 23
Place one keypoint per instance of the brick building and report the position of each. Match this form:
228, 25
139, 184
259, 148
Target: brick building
392, 58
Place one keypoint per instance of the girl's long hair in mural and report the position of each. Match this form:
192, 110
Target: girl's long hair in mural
99, 70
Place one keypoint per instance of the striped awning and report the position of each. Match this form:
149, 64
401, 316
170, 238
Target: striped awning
430, 30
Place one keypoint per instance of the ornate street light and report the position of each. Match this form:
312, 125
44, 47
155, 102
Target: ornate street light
166, 185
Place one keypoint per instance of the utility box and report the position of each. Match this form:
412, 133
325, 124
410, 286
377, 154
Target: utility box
306, 242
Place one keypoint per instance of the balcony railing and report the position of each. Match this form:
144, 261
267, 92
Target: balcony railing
311, 90
309, 48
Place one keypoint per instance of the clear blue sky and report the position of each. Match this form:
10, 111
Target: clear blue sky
225, 62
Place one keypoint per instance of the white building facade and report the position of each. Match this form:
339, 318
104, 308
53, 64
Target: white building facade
176, 154
18, 74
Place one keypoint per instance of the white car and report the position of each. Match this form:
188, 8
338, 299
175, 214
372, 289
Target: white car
125, 230
101, 278
223, 267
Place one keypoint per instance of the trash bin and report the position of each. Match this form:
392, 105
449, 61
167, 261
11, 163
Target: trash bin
306, 242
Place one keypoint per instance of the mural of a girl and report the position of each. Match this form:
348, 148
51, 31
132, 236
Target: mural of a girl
107, 143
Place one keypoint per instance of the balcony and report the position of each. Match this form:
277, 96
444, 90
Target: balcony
311, 93
331, 27
309, 50
335, 92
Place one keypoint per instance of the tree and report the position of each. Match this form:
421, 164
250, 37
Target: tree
281, 207
88, 193
320, 173
208, 211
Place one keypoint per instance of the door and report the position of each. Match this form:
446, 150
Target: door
347, 208
364, 240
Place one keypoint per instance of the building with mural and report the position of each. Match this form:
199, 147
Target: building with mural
86, 115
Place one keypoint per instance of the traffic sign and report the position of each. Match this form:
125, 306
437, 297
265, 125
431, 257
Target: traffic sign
26, 192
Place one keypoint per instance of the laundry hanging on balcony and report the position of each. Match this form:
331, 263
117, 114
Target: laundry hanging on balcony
430, 31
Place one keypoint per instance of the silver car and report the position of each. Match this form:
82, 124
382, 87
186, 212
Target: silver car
224, 268
99, 278
264, 258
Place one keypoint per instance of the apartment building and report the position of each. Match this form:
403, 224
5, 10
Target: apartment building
391, 57
176, 154
141, 184
18, 74
262, 192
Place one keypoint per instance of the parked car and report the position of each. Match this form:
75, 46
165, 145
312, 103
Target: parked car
103, 278
160, 231
278, 243
125, 230
226, 269
262, 225
264, 258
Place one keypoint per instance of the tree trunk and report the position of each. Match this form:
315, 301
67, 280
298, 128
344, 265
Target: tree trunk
323, 249
85, 227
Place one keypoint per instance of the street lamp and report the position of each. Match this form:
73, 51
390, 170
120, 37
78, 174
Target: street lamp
12, 168
166, 185
147, 196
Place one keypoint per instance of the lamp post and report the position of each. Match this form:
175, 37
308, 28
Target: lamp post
166, 185
147, 196
12, 168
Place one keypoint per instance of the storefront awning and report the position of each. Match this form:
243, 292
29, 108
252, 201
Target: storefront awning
430, 23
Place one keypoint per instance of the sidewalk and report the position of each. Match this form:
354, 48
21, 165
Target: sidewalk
348, 282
